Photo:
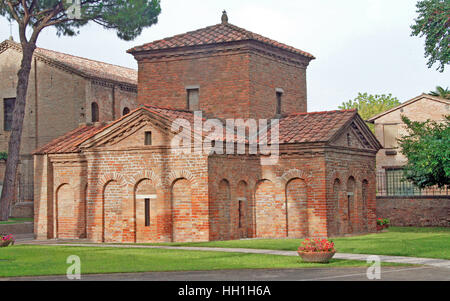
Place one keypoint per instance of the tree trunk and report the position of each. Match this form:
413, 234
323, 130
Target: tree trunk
16, 132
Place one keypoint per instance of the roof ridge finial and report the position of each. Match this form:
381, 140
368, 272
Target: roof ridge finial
224, 17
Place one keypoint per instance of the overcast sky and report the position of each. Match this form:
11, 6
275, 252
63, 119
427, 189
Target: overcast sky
360, 45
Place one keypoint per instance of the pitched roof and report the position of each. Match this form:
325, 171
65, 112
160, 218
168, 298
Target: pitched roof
83, 66
312, 127
220, 33
294, 128
70, 142
422, 96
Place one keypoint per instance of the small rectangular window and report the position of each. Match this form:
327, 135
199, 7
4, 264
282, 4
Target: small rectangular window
148, 138
147, 212
241, 209
390, 135
193, 99
279, 102
8, 109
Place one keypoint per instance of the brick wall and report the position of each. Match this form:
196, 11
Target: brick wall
268, 74
223, 83
350, 172
235, 84
415, 211
303, 182
194, 198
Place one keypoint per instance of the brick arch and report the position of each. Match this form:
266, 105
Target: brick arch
336, 175
364, 205
296, 208
106, 178
293, 174
143, 232
250, 181
180, 174
221, 209
181, 202
147, 174
244, 207
64, 204
269, 223
351, 200
242, 188
334, 206
112, 202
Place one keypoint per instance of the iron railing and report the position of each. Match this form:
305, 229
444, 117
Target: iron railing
392, 183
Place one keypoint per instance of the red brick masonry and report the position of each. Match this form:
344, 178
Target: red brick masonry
104, 183
415, 211
93, 183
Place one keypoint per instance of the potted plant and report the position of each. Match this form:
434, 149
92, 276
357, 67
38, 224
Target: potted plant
6, 240
316, 250
382, 223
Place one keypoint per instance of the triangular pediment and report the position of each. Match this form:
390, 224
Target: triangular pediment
357, 135
129, 132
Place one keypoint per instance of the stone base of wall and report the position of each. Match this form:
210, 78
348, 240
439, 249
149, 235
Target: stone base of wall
419, 211
23, 209
22, 228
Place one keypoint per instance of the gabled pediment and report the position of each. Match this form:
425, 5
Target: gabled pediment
356, 134
129, 132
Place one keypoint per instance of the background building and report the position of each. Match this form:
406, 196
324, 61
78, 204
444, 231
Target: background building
397, 199
64, 91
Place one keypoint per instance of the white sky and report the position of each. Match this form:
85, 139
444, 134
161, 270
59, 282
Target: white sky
360, 45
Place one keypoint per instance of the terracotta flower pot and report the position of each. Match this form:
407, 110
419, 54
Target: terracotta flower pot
318, 257
5, 243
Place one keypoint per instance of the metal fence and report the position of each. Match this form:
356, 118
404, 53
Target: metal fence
392, 183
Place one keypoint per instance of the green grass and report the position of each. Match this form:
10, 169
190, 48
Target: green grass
32, 260
400, 241
16, 221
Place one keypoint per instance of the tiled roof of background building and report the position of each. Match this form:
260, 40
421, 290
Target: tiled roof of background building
220, 33
83, 66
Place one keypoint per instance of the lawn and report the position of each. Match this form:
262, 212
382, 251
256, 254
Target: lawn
33, 260
401, 241
16, 221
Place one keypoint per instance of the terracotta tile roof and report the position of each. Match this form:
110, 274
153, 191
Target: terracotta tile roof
220, 33
170, 113
84, 66
70, 142
294, 128
173, 114
312, 127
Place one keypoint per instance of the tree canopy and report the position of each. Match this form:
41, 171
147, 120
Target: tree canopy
426, 146
433, 22
441, 92
370, 105
127, 17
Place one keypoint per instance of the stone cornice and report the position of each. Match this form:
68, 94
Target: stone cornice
190, 52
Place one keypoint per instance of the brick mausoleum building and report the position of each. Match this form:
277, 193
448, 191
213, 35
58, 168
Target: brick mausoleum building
123, 182
63, 91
